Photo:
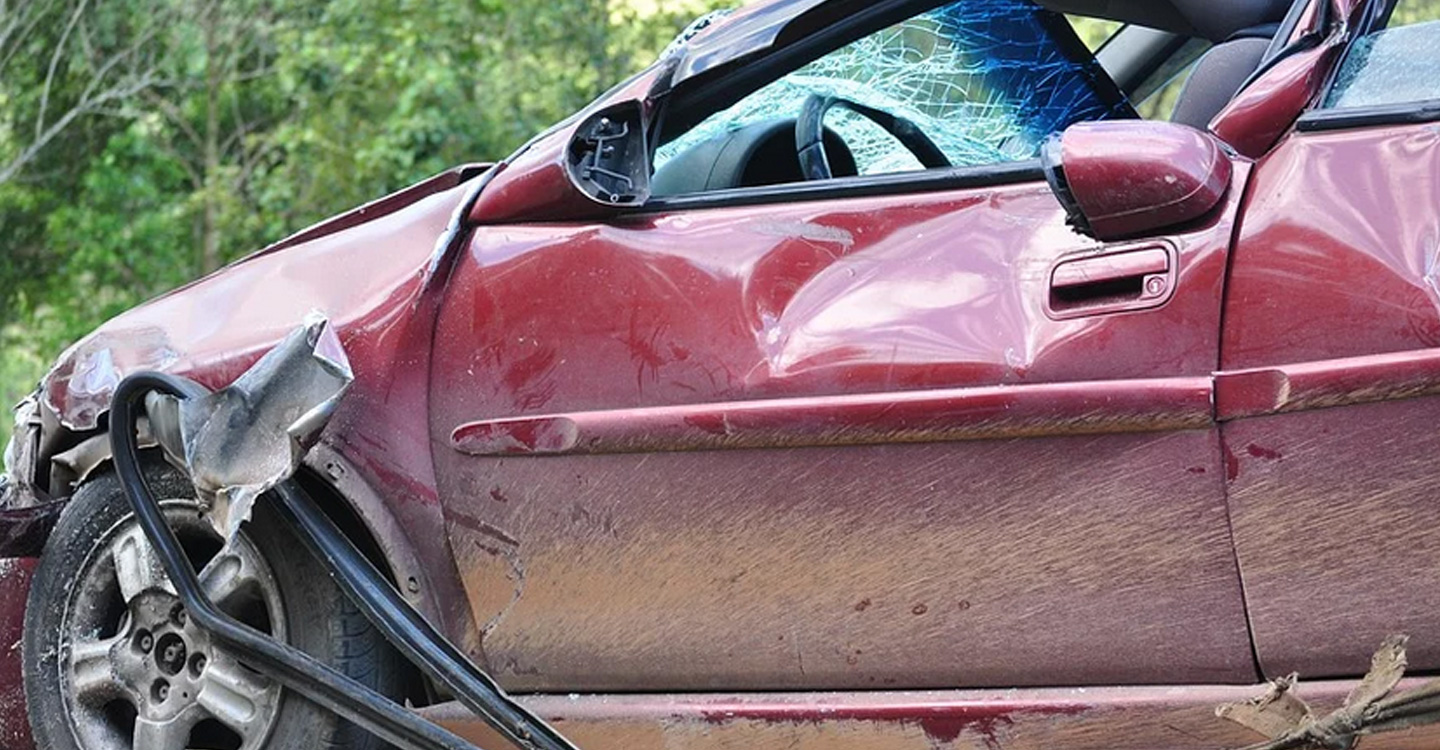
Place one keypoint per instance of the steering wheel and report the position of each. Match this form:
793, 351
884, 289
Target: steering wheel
810, 135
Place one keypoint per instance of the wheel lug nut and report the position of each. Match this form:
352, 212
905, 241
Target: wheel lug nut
179, 616
170, 654
144, 641
197, 664
160, 691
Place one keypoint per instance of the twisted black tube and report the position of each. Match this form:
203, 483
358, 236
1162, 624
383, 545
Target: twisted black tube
406, 630
285, 664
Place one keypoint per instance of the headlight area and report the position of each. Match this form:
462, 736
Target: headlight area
23, 443
27, 512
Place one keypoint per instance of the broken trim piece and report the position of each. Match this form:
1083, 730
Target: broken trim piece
1327, 383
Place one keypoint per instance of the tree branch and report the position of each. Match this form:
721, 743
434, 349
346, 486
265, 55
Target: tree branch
175, 116
111, 78
55, 63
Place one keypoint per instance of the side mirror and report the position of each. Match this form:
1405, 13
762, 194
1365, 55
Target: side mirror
574, 172
607, 158
1130, 178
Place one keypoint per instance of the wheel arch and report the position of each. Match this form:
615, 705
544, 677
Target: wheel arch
333, 482
366, 518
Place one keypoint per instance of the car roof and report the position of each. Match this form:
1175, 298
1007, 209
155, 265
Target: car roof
746, 30
718, 40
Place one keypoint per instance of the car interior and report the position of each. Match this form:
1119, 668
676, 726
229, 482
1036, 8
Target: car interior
1238, 36
1182, 60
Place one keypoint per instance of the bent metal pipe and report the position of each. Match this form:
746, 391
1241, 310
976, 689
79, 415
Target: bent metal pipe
291, 667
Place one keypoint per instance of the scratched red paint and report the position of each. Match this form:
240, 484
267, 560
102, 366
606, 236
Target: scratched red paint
941, 723
14, 585
562, 328
1331, 322
752, 327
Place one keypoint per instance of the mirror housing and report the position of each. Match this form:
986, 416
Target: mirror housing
1131, 178
608, 160
575, 172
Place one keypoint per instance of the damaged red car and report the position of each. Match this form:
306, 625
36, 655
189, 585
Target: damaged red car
882, 374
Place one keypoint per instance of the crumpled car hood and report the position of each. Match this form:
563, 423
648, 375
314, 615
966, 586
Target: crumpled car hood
365, 270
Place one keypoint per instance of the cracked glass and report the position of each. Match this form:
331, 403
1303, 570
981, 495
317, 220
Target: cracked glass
1396, 66
1393, 66
986, 80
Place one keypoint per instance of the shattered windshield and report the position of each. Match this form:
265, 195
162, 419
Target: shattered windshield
987, 80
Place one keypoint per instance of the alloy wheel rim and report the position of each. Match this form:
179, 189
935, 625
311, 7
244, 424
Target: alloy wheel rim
137, 673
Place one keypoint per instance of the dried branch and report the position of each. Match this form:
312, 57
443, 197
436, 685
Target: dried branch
1290, 724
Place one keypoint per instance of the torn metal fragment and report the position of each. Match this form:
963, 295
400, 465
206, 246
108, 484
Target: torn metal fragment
239, 442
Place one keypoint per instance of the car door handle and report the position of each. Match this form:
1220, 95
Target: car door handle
1112, 282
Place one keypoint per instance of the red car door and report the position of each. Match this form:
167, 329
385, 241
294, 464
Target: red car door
858, 433
1330, 349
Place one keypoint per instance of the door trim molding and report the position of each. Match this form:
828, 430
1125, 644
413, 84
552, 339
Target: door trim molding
958, 414
980, 413
1326, 383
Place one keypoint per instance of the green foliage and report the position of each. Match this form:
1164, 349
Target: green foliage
1094, 32
1415, 11
236, 122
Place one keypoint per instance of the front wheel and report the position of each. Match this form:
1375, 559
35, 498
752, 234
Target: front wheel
113, 663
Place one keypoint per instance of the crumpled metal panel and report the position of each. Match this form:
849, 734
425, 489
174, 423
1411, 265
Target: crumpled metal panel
1362, 265
377, 279
365, 277
987, 80
239, 442
771, 568
1332, 317
1254, 121
81, 383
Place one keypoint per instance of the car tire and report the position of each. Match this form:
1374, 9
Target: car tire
74, 704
